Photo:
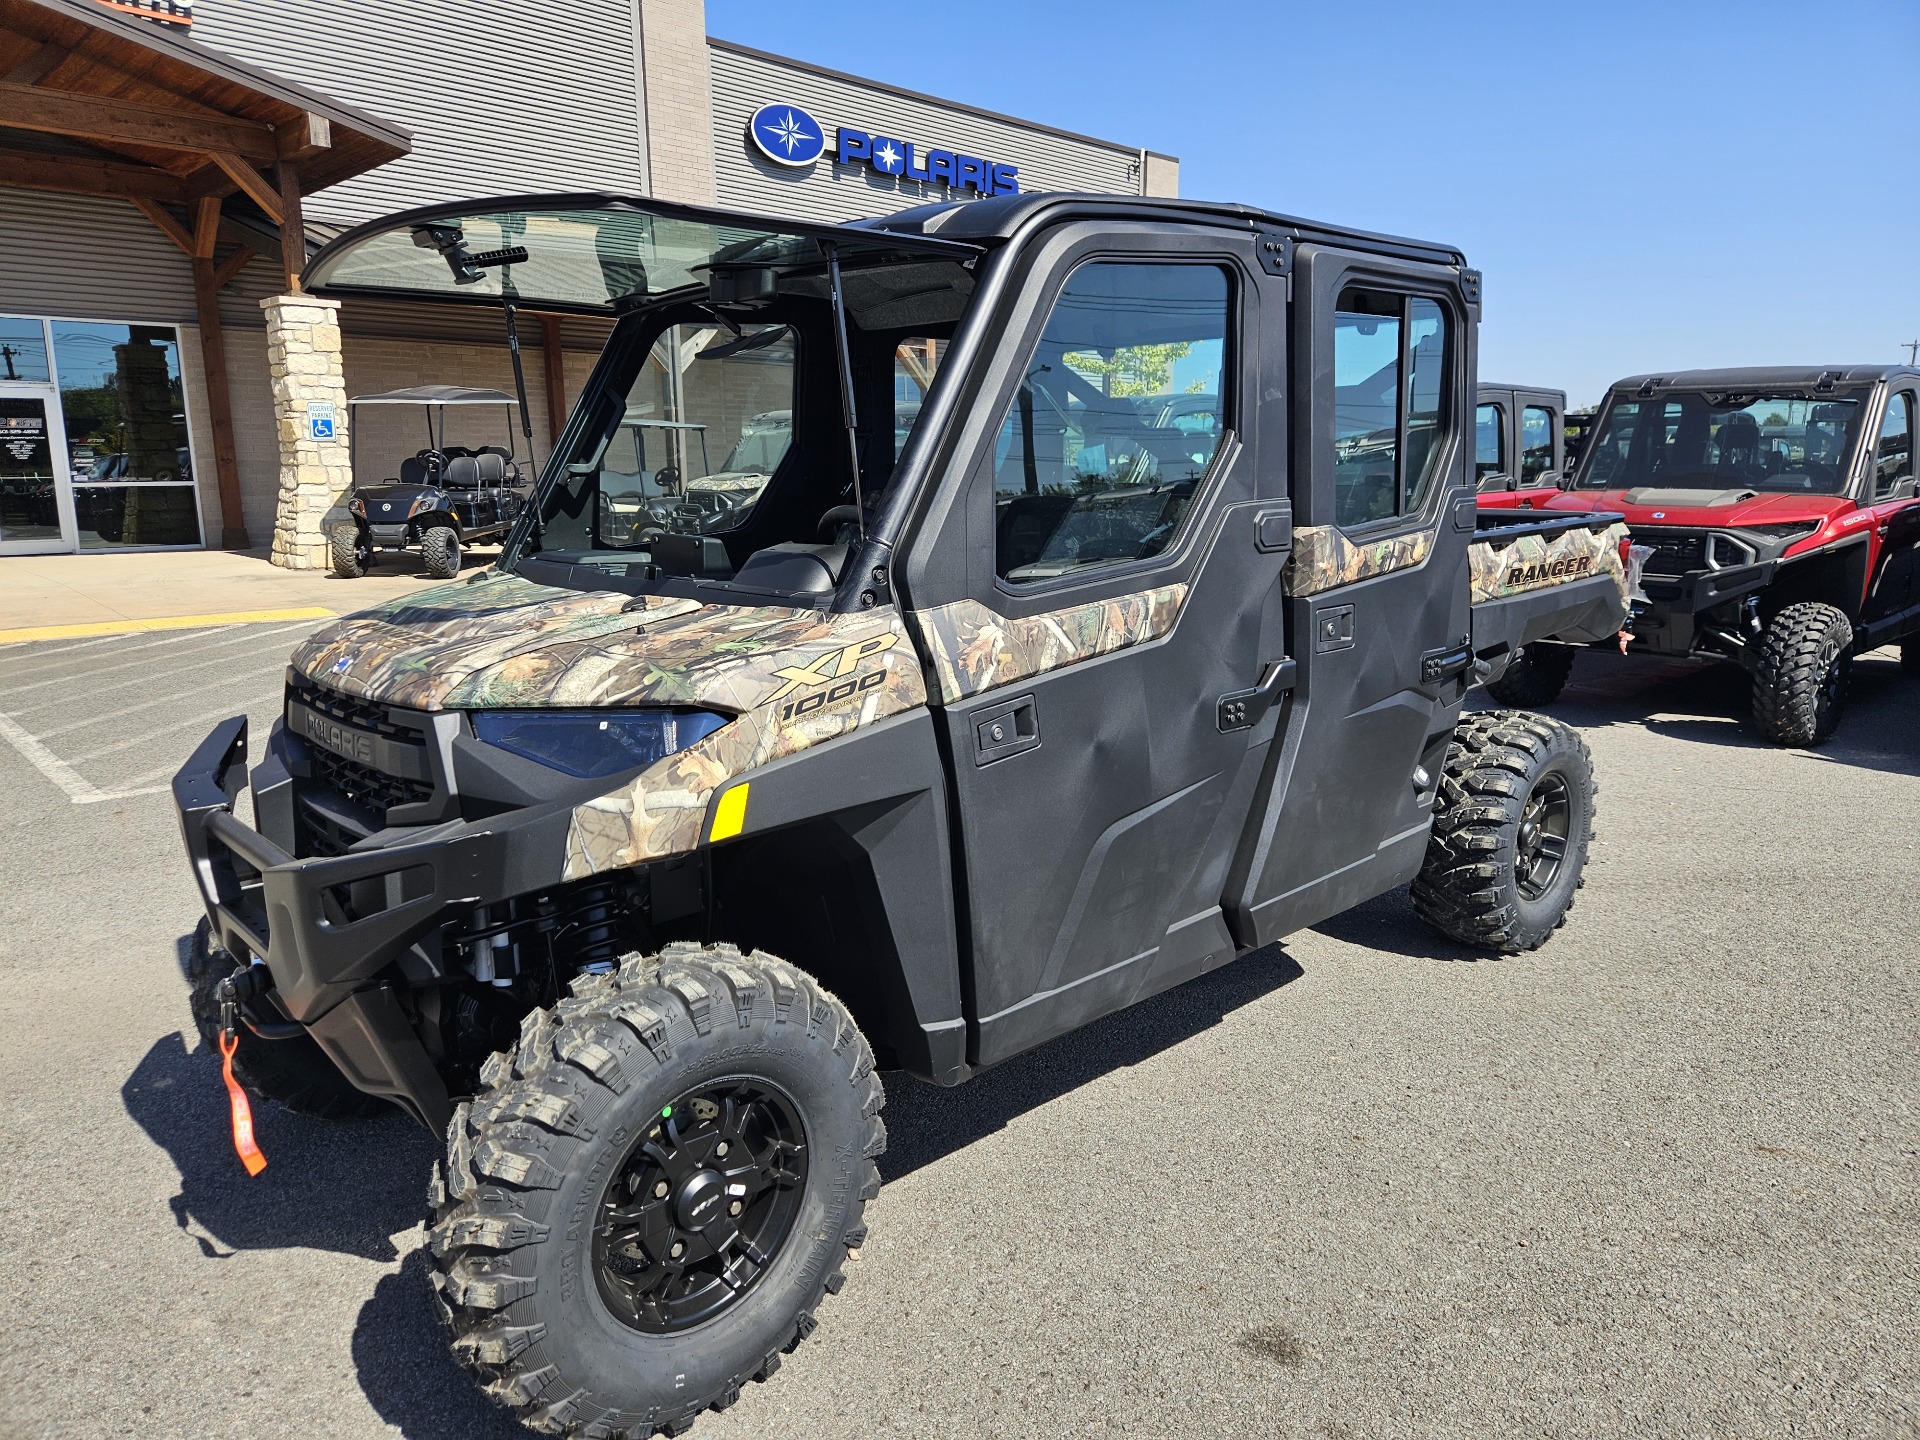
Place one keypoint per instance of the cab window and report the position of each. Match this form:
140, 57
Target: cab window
1112, 431
1893, 477
1536, 442
1389, 367
1489, 442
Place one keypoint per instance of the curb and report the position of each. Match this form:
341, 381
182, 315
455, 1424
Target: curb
164, 622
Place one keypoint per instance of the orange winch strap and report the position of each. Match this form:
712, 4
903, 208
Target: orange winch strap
243, 1144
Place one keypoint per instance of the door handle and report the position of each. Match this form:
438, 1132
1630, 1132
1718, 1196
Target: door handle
1009, 728
1244, 709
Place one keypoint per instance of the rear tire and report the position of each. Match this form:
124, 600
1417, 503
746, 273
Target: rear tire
1800, 674
441, 549
351, 551
1910, 657
1535, 676
581, 1231
1512, 821
293, 1073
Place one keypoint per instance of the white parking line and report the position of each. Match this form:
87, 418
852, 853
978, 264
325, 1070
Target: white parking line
78, 789
12, 665
95, 691
238, 707
239, 639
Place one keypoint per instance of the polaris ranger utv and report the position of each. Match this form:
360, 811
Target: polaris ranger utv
625, 863
1780, 509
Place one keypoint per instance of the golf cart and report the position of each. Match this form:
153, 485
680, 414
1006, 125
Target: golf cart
444, 496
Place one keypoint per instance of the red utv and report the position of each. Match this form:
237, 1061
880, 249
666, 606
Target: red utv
1780, 509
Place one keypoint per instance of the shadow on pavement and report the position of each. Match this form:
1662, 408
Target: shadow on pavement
926, 1123
329, 1185
1387, 923
1708, 701
408, 1373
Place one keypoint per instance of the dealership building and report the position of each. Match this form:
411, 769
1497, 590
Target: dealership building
158, 370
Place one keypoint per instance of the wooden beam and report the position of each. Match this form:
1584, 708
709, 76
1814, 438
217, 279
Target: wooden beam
37, 66
206, 227
166, 224
309, 135
97, 117
213, 359
553, 360
77, 175
231, 267
251, 181
293, 226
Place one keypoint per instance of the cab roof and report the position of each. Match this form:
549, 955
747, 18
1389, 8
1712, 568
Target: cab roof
1763, 377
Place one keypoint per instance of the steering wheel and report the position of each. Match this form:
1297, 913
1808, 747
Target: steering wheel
830, 523
667, 477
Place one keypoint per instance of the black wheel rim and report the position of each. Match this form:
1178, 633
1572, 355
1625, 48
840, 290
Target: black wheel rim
1546, 822
1832, 684
702, 1205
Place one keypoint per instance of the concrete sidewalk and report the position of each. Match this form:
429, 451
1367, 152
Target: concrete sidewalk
51, 597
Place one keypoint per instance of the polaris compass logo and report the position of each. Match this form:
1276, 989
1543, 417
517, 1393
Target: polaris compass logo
787, 135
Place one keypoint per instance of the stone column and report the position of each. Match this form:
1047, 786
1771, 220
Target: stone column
303, 354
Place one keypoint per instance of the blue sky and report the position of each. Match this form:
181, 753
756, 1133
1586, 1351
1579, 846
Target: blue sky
1644, 186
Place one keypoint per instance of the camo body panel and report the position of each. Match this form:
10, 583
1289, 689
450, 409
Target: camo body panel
662, 811
509, 644
973, 649
1538, 562
1325, 559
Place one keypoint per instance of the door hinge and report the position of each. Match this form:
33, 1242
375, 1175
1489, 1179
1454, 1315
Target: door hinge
1244, 709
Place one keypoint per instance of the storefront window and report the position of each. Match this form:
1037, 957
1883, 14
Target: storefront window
126, 423
23, 350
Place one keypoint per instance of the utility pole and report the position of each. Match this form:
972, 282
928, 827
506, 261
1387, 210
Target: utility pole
1913, 350
7, 352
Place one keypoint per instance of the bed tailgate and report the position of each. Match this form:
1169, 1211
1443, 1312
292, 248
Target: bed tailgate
1542, 575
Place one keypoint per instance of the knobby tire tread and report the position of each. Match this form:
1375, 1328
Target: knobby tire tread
1484, 782
1789, 669
535, 1115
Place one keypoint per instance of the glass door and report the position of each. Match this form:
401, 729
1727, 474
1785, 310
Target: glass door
36, 510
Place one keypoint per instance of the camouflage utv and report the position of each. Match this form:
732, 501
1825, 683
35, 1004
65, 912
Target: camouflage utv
1106, 614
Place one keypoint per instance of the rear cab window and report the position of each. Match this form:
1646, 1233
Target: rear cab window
1389, 362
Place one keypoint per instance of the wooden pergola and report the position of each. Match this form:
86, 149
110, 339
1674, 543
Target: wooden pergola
96, 103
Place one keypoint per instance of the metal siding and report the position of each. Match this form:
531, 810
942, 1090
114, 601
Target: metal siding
744, 179
502, 96
88, 259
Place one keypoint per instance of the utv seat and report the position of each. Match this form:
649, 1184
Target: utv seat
416, 471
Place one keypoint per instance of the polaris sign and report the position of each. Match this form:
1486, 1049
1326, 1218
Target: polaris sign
789, 136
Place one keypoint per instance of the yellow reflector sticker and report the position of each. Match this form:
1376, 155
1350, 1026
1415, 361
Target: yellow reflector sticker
730, 815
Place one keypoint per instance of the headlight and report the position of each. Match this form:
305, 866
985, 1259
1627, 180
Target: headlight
425, 502
591, 743
358, 507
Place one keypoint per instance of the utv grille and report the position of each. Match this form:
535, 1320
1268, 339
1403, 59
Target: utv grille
362, 714
1675, 552
341, 800
365, 786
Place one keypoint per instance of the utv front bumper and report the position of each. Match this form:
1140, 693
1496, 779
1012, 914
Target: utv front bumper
328, 928
1671, 622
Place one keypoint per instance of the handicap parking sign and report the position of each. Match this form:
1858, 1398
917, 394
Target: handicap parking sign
320, 420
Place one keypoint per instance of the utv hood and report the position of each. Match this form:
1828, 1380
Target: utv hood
1706, 509
501, 641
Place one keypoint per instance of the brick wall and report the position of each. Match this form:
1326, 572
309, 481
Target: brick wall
673, 57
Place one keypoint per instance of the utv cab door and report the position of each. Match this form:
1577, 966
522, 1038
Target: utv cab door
1378, 588
1114, 534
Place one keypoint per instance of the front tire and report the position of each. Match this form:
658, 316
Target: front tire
1535, 676
440, 547
645, 1203
351, 551
1800, 674
293, 1073
1512, 822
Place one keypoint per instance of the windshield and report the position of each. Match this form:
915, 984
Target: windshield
1724, 441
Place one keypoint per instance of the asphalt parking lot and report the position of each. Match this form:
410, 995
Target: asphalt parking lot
1660, 1179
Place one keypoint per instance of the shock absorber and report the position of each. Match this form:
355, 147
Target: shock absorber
593, 928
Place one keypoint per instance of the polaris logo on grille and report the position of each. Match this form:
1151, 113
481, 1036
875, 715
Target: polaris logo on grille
336, 737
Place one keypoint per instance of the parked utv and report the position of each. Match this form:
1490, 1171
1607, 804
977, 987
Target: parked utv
1779, 506
1518, 447
626, 863
444, 496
